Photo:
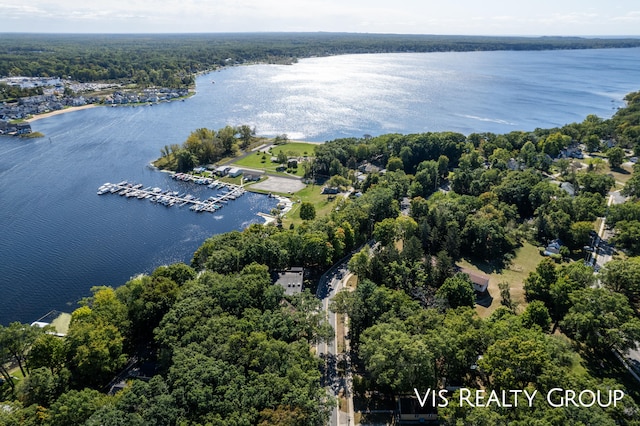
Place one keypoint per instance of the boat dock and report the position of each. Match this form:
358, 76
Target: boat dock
171, 198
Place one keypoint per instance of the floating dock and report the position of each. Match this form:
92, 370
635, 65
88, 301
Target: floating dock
170, 198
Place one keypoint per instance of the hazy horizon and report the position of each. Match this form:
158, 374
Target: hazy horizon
586, 18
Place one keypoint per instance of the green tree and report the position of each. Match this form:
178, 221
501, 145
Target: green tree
615, 156
95, 351
516, 361
282, 158
632, 187
623, 276
186, 161
15, 342
580, 234
386, 231
555, 142
592, 143
602, 320
596, 183
505, 296
397, 361
627, 236
536, 314
39, 387
307, 211
394, 163
75, 407
227, 136
626, 211
443, 166
177, 272
246, 135
48, 351
359, 263
563, 166
338, 181
537, 286
457, 291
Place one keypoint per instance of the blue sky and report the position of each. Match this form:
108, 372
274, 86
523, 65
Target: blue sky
482, 17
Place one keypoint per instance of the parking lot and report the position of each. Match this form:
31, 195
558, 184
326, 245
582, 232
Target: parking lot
280, 184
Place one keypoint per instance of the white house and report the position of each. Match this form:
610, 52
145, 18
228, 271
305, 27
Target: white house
234, 172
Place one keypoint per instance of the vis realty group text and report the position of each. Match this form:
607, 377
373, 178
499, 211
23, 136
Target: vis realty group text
556, 397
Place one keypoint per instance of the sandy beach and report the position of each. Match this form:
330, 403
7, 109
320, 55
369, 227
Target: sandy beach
60, 111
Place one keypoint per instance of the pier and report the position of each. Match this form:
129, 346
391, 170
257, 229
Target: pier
171, 198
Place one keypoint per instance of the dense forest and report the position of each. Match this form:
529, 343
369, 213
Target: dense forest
171, 60
227, 347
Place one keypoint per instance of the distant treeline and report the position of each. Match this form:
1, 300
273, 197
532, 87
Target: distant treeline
172, 59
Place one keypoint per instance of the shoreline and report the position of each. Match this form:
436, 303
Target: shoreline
59, 111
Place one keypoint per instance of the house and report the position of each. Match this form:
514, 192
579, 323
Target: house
252, 178
222, 170
568, 188
234, 172
291, 280
553, 248
479, 280
330, 190
514, 164
369, 168
572, 151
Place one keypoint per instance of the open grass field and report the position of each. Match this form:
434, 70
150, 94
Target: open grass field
526, 260
295, 149
262, 161
312, 195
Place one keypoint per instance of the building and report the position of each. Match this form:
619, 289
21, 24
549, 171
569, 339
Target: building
234, 172
222, 170
291, 280
252, 177
330, 190
479, 280
553, 248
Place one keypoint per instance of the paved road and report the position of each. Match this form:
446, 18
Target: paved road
337, 385
603, 253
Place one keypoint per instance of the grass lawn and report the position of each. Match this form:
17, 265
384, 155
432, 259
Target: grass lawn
352, 282
295, 149
621, 174
255, 161
61, 323
312, 195
526, 260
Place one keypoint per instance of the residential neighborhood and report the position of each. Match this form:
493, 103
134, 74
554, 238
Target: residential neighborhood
58, 94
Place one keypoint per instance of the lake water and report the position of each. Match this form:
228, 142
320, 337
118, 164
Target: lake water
59, 238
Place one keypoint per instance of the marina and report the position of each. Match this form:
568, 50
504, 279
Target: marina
170, 198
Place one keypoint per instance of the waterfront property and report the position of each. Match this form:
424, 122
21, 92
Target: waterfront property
171, 198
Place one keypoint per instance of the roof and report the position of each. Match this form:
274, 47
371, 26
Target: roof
479, 280
291, 280
330, 190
